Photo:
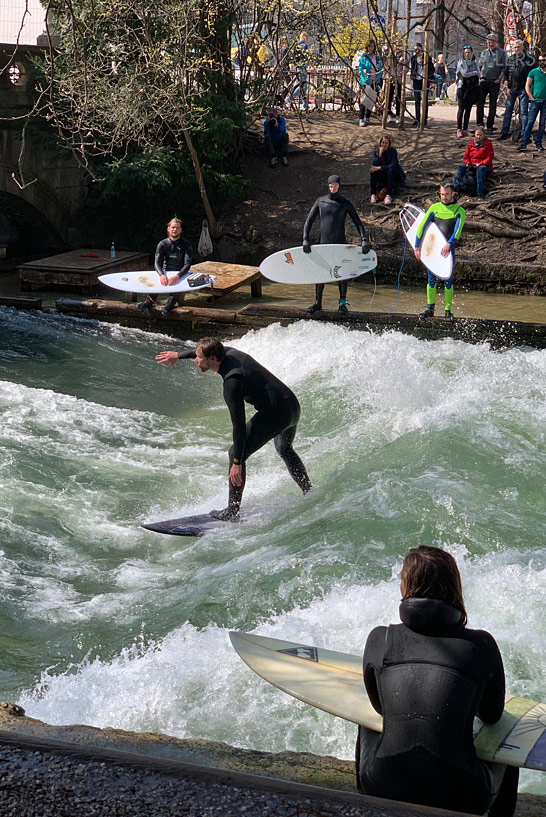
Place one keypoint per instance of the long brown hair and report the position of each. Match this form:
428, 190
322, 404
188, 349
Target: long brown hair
431, 573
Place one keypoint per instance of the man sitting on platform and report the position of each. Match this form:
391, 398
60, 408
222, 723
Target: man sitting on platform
172, 255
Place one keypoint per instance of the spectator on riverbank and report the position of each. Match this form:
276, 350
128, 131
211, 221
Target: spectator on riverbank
301, 66
276, 138
440, 77
492, 67
536, 91
417, 73
396, 65
468, 91
386, 171
518, 66
478, 157
370, 71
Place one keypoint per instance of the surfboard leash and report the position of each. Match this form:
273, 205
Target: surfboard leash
399, 274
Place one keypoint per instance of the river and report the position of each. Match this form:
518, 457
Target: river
406, 442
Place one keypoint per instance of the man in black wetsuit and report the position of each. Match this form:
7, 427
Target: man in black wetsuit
332, 210
173, 255
276, 418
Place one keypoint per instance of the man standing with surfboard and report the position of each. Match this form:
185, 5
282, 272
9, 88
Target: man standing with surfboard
276, 418
172, 255
332, 210
449, 217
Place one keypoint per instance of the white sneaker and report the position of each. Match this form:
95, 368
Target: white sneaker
390, 119
360, 123
388, 200
397, 120
373, 199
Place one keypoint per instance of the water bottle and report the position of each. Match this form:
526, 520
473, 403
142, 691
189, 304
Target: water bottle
112, 250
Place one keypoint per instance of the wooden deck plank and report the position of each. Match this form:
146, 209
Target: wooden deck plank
230, 277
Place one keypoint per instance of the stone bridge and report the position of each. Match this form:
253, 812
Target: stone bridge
43, 211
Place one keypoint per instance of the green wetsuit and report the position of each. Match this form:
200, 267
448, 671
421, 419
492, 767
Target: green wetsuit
450, 219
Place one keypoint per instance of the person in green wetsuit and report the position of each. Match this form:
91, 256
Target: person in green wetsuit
450, 217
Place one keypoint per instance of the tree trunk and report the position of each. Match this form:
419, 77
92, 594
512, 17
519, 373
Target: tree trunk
213, 227
424, 98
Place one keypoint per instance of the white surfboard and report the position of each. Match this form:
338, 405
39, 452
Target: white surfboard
147, 281
432, 241
333, 681
326, 263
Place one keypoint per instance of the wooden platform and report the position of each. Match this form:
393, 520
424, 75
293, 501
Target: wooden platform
230, 277
78, 268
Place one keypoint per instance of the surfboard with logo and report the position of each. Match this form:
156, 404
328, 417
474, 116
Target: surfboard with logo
147, 282
325, 264
432, 241
333, 681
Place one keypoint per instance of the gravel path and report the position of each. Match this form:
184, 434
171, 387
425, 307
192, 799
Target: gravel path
48, 783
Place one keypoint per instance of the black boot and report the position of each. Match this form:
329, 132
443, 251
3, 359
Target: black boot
147, 305
316, 307
171, 304
225, 515
428, 312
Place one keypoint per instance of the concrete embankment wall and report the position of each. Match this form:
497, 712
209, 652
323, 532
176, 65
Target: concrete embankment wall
75, 762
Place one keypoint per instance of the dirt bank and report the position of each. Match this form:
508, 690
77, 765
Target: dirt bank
502, 248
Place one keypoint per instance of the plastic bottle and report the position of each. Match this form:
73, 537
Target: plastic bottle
112, 250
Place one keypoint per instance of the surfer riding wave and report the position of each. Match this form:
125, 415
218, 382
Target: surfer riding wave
276, 418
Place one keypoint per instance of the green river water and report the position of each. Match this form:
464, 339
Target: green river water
406, 442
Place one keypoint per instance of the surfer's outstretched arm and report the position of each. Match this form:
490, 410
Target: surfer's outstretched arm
169, 358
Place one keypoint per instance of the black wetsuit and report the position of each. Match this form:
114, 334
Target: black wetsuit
429, 677
174, 257
333, 209
276, 418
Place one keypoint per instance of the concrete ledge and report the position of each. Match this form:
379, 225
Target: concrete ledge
302, 783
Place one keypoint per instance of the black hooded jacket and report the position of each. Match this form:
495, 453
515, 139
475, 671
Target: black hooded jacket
429, 677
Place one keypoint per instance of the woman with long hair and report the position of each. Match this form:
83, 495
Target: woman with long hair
429, 677
370, 70
385, 171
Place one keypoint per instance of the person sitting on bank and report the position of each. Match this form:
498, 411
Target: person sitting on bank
385, 170
276, 138
429, 677
172, 262
479, 155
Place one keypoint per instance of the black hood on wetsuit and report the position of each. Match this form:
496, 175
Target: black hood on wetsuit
334, 179
428, 616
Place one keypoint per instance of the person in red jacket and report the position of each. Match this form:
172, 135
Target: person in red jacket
479, 154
